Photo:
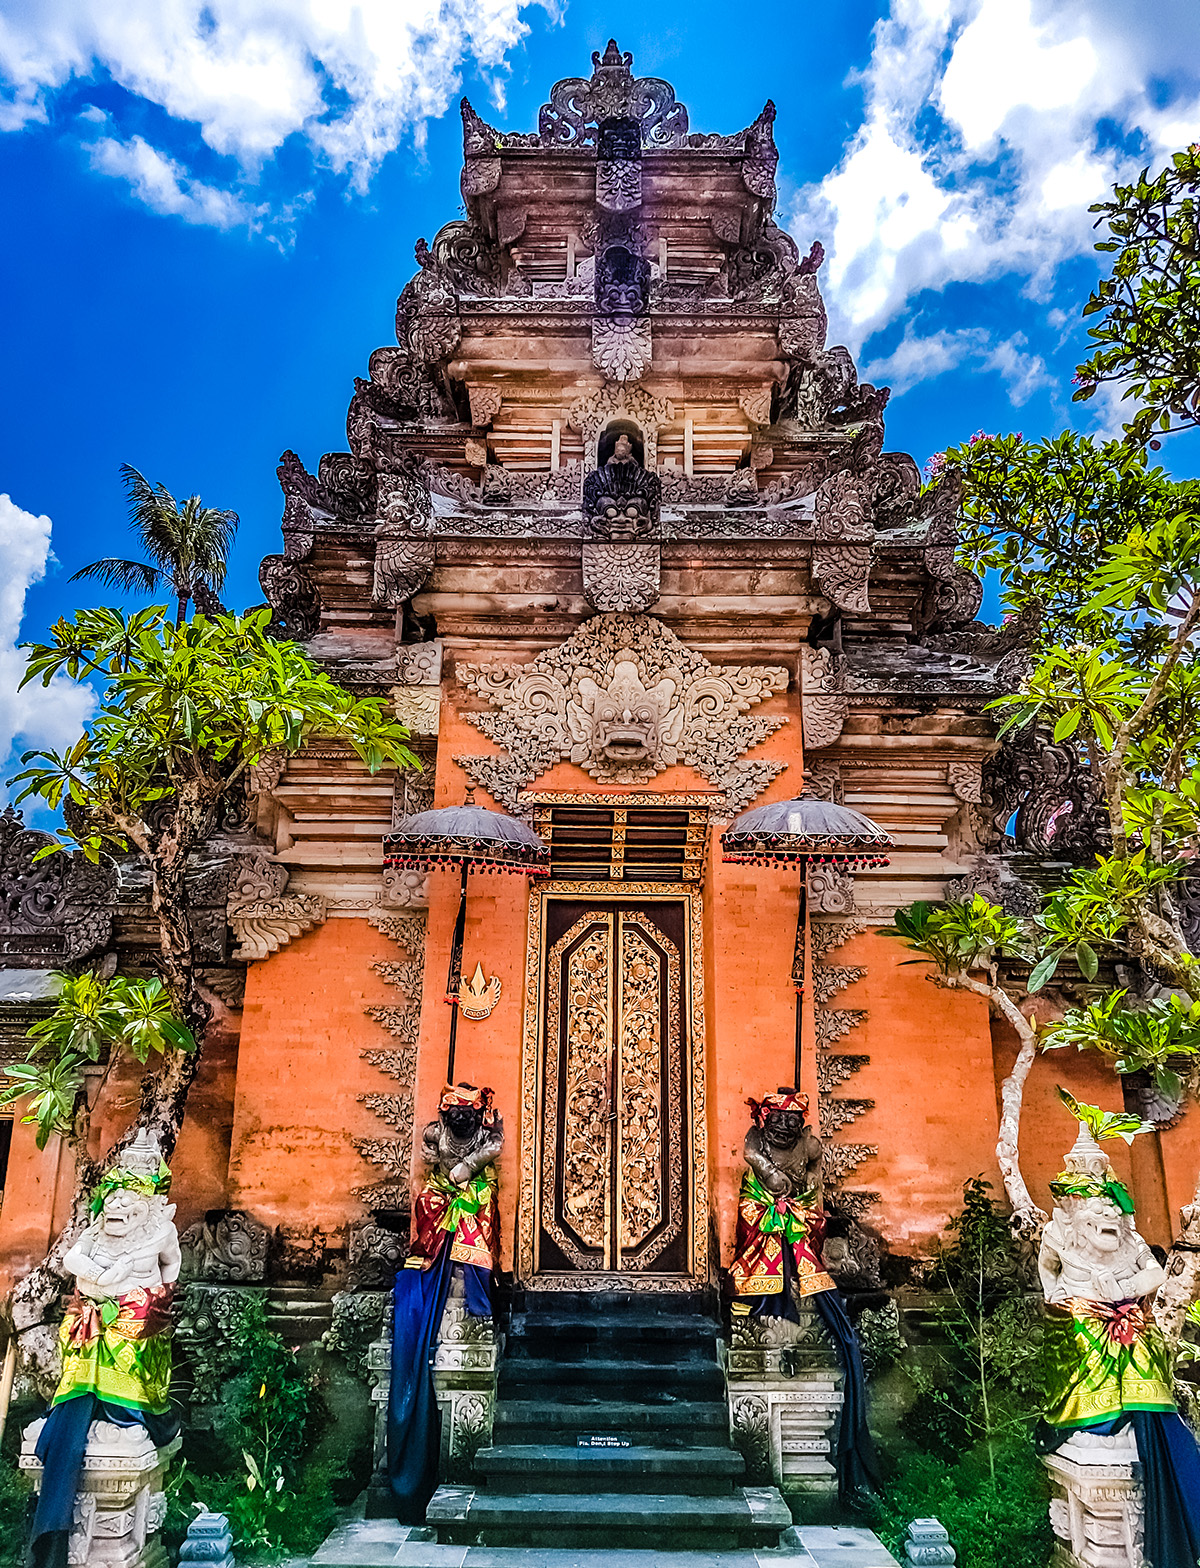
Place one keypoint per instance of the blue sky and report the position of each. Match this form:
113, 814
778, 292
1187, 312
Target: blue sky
211, 208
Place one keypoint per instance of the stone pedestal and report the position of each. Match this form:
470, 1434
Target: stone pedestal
1096, 1512
784, 1400
464, 1381
120, 1502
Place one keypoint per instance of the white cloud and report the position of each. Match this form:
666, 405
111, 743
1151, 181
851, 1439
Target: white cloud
166, 187
351, 76
51, 716
917, 358
987, 132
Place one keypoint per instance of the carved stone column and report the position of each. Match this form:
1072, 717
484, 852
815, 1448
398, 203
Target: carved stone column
784, 1400
1096, 1512
121, 1502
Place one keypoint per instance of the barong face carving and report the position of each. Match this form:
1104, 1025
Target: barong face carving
624, 699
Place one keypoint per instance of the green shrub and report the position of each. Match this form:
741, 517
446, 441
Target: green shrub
252, 1465
16, 1492
994, 1521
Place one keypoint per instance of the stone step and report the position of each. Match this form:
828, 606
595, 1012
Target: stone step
511, 1467
688, 1337
627, 1378
610, 1304
749, 1517
542, 1420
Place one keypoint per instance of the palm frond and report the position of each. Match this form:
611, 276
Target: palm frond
190, 542
133, 576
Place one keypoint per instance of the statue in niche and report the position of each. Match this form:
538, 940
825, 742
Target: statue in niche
1109, 1398
114, 1336
454, 1251
620, 499
777, 1262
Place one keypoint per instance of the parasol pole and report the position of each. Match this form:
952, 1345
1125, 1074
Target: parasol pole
454, 978
800, 966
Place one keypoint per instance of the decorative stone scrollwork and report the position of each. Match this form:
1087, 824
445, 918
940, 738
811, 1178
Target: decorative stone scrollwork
841, 572
966, 780
578, 105
756, 406
402, 567
830, 891
838, 511
621, 346
624, 699
52, 911
293, 597
762, 156
823, 701
226, 1247
621, 576
262, 915
486, 403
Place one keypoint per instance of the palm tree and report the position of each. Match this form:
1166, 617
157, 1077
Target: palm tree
188, 545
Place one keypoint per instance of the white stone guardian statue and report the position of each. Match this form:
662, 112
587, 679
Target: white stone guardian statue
100, 1455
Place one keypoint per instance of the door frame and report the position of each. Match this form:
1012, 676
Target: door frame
533, 1052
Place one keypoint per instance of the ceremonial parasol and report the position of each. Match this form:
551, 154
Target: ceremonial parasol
799, 833
466, 836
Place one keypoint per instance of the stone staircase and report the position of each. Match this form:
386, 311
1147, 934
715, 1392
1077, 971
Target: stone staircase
611, 1431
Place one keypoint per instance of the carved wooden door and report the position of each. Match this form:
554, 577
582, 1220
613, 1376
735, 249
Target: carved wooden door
614, 1113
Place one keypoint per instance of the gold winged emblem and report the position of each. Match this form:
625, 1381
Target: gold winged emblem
477, 996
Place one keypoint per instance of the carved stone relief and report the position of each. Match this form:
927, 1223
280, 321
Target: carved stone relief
823, 701
262, 915
596, 409
624, 699
841, 572
620, 575
621, 346
578, 104
402, 1021
52, 911
401, 567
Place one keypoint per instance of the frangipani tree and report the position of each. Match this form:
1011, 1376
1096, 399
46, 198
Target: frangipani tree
186, 710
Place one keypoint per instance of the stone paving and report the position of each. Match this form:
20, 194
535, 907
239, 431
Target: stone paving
374, 1543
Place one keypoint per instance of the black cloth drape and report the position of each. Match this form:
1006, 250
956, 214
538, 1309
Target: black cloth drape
60, 1447
1170, 1463
854, 1456
414, 1427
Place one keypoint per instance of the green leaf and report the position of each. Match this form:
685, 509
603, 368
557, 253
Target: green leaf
1085, 957
1042, 972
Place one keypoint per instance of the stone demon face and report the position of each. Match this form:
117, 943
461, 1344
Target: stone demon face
125, 1215
625, 719
1098, 1228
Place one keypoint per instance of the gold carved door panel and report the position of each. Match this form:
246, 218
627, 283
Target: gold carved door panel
614, 1145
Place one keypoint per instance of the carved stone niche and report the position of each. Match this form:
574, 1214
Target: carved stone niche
227, 1246
53, 911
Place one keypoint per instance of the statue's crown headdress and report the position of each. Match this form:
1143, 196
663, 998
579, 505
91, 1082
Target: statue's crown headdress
467, 1094
781, 1100
142, 1169
1088, 1173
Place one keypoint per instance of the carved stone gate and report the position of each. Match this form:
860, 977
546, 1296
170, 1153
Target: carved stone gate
613, 1148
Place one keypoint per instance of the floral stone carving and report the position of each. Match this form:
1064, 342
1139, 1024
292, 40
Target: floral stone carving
262, 916
624, 699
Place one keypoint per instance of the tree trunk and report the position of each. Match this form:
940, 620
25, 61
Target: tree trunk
1027, 1218
1182, 1284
